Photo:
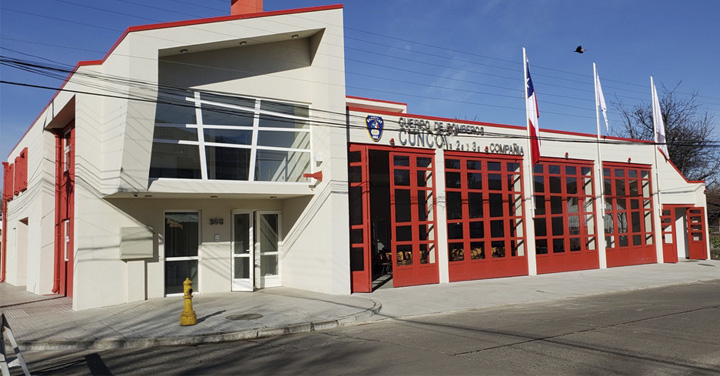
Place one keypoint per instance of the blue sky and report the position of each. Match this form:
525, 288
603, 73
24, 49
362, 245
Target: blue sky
457, 59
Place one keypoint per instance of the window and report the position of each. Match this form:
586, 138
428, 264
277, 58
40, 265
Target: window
218, 137
66, 151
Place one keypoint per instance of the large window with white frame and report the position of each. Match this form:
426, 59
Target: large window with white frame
200, 135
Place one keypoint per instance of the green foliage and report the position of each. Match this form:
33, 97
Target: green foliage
715, 254
715, 243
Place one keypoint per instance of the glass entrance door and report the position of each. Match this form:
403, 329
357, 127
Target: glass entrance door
182, 237
268, 246
243, 260
256, 250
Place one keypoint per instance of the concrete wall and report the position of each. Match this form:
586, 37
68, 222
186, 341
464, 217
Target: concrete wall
215, 256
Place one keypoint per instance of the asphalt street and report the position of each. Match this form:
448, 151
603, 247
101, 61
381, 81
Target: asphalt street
671, 330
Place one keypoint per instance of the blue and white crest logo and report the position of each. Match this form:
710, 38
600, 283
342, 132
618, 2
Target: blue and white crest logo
375, 126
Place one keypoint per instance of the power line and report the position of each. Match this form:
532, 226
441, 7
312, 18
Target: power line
31, 67
446, 78
589, 139
419, 52
440, 77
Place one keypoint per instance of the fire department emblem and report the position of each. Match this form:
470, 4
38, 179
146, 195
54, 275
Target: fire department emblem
375, 126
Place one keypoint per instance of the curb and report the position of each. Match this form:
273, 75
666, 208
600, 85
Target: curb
199, 339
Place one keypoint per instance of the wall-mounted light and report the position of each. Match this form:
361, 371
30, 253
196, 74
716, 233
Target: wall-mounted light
487, 149
242, 43
295, 36
629, 160
392, 142
184, 51
214, 196
273, 197
566, 155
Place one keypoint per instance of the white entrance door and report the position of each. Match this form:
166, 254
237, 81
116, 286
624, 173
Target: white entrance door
243, 257
268, 246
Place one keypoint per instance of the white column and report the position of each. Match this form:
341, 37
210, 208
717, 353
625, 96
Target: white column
441, 217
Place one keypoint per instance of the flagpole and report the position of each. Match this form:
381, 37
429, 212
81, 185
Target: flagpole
529, 184
528, 161
655, 100
599, 197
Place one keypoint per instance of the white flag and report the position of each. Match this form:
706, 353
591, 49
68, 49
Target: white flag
658, 123
600, 101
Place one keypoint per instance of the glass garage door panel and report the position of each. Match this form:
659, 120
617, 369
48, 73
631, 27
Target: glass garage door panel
412, 195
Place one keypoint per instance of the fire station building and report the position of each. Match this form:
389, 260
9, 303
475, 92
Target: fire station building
226, 151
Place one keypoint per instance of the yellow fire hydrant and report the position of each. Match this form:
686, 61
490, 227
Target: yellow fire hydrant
188, 316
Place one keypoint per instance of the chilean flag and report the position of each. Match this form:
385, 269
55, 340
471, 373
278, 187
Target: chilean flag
531, 107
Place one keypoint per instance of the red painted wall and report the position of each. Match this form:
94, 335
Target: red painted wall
64, 210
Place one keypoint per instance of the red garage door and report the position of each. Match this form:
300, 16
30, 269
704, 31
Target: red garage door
628, 214
484, 217
565, 236
412, 199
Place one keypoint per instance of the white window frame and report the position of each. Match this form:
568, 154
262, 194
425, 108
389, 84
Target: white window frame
67, 149
200, 126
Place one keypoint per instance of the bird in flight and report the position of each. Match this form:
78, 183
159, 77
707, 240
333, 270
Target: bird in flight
579, 49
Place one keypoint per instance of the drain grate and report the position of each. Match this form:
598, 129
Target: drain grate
16, 313
245, 316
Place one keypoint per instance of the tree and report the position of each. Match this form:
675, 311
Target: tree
688, 132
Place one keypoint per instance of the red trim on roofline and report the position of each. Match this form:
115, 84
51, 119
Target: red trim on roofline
164, 25
57, 92
360, 109
571, 133
626, 164
585, 162
375, 100
680, 173
233, 17
84, 63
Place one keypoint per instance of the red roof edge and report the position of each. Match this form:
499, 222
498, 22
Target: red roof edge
362, 109
679, 172
375, 100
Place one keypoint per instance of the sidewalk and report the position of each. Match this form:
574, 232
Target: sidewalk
48, 323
